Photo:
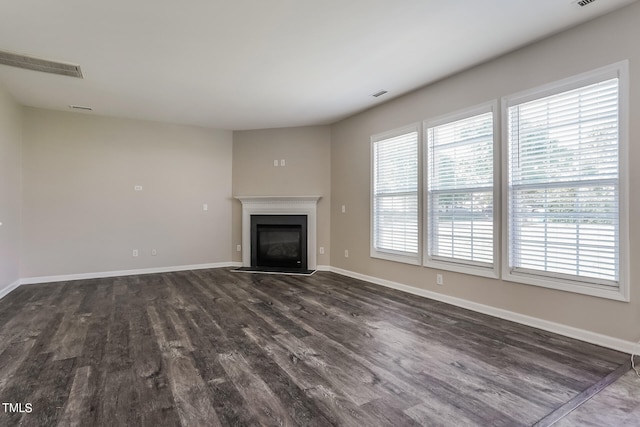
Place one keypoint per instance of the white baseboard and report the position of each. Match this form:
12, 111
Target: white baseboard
81, 276
323, 267
5, 291
558, 328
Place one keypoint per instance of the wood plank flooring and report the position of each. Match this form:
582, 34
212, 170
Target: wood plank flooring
217, 348
617, 405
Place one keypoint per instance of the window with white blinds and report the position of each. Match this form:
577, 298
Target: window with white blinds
395, 196
563, 210
460, 190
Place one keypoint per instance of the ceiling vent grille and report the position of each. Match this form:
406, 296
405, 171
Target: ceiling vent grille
37, 64
583, 3
80, 107
380, 93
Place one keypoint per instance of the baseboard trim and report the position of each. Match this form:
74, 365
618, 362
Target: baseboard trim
5, 291
558, 328
103, 274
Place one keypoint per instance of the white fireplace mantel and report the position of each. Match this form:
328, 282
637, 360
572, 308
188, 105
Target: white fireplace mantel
279, 205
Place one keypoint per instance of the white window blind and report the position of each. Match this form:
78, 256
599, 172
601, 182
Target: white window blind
395, 195
460, 170
564, 185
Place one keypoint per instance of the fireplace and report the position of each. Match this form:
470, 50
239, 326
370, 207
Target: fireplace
279, 242
299, 214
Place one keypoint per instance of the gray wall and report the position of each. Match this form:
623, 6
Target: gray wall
82, 215
603, 41
10, 189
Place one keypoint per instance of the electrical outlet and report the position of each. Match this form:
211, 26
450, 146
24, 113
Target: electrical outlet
321, 250
344, 208
238, 248
346, 253
439, 279
205, 207
282, 162
154, 252
275, 163
137, 188
135, 252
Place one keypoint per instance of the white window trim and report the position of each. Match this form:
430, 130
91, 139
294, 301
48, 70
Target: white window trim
390, 255
620, 70
461, 267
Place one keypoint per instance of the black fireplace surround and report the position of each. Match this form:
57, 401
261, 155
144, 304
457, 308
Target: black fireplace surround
279, 243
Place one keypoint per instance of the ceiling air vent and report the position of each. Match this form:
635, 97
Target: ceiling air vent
80, 107
37, 64
380, 93
583, 3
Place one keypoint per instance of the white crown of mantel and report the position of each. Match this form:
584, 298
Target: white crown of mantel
279, 205
278, 199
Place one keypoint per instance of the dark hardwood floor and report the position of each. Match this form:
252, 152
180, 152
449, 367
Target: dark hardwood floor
212, 347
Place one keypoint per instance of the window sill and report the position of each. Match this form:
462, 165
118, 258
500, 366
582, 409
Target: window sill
585, 288
388, 256
490, 272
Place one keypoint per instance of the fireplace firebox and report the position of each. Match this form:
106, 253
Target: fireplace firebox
279, 242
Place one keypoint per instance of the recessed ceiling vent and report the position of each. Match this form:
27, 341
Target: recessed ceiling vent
37, 64
583, 3
80, 107
380, 93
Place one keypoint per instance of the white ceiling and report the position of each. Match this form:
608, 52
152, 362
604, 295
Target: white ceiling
248, 64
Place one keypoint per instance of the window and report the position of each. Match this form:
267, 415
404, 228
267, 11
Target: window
395, 196
461, 234
566, 185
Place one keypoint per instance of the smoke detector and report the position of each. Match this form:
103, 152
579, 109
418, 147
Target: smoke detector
38, 64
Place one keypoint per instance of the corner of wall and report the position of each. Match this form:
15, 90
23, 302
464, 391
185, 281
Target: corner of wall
10, 190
